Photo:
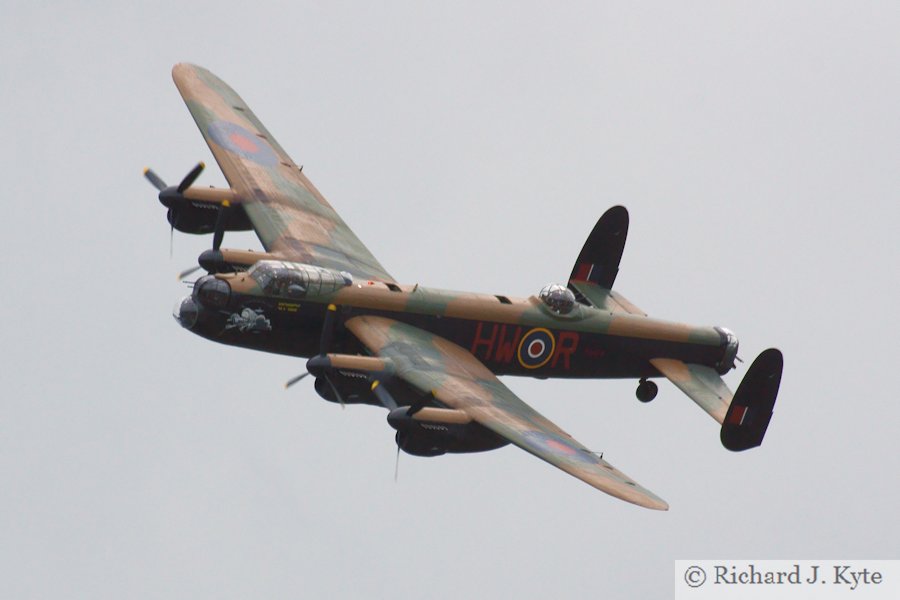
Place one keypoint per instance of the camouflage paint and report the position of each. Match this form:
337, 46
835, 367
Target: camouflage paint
449, 344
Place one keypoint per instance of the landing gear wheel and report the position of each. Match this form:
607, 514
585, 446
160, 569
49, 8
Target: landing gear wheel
646, 391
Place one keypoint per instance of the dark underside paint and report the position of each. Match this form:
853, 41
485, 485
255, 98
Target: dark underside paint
503, 348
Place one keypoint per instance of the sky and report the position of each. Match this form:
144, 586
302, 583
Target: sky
471, 146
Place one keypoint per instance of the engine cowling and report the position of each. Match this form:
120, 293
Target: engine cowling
200, 217
352, 391
432, 437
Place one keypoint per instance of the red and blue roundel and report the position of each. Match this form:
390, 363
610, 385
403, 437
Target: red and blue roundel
559, 446
536, 348
242, 142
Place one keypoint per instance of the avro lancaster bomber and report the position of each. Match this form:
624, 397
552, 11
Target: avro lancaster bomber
430, 357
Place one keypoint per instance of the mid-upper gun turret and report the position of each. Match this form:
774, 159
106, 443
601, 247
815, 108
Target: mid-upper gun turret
558, 298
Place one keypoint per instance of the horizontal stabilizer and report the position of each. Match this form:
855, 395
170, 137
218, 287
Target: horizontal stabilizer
751, 409
702, 384
604, 299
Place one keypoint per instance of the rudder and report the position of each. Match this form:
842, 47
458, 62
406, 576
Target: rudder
748, 416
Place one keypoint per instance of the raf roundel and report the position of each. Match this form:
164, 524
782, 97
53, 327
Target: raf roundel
559, 446
244, 143
536, 348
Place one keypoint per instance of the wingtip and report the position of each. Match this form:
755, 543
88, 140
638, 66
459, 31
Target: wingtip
633, 493
648, 500
661, 505
183, 69
645, 501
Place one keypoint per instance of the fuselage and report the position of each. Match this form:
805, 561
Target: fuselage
511, 336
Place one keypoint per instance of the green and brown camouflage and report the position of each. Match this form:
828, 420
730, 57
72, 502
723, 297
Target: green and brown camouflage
586, 342
431, 356
290, 216
432, 364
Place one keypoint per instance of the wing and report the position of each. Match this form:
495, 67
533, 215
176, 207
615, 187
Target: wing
289, 214
457, 379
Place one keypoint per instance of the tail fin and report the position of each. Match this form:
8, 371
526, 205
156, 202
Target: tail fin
748, 416
744, 415
598, 262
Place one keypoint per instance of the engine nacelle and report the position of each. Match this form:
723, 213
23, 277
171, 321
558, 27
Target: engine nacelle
195, 210
432, 432
352, 391
229, 261
200, 217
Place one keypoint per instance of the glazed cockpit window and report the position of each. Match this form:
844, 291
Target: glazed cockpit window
294, 280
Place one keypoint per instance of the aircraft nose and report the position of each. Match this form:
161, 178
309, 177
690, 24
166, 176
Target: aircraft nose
186, 312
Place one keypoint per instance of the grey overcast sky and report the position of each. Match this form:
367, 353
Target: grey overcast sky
471, 145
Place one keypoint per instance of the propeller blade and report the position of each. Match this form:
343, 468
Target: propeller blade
171, 240
187, 272
221, 222
334, 389
191, 177
294, 380
327, 329
383, 395
397, 463
419, 404
154, 179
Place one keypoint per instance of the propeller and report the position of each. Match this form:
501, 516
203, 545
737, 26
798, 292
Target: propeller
154, 179
170, 195
167, 194
335, 391
294, 380
419, 404
383, 395
157, 182
221, 222
191, 177
397, 463
324, 344
225, 211
212, 260
187, 272
327, 330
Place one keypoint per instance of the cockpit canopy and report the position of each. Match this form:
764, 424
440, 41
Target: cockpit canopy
296, 280
558, 298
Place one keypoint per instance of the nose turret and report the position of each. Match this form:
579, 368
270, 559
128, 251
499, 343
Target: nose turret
211, 292
186, 312
211, 295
